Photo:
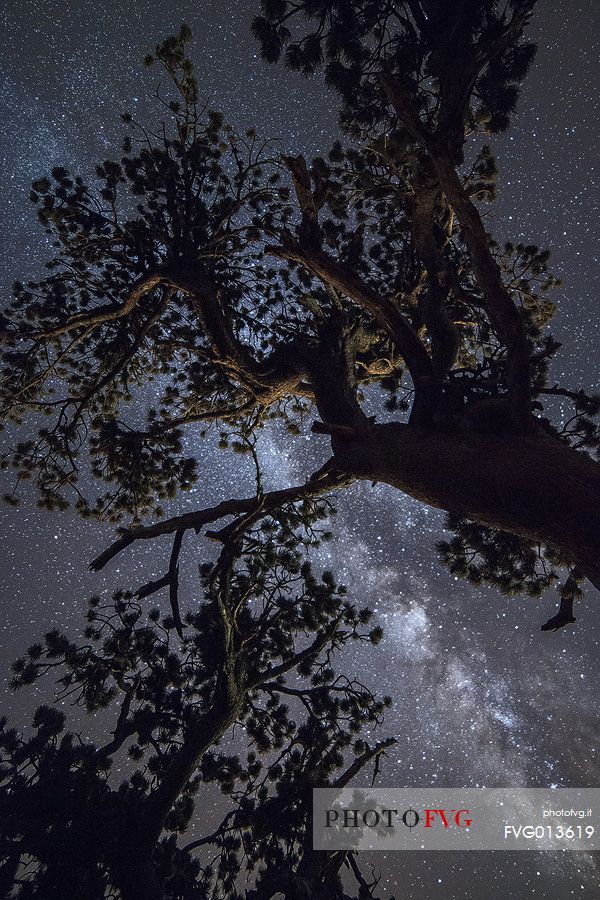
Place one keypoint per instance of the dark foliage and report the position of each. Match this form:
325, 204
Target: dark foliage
253, 666
245, 286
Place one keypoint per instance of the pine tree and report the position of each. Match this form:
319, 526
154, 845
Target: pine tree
247, 286
251, 287
250, 662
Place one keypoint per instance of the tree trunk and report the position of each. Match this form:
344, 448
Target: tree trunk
135, 876
529, 484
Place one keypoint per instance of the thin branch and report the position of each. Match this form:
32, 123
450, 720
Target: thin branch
101, 315
325, 479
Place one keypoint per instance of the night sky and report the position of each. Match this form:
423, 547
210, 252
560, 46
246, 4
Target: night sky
481, 696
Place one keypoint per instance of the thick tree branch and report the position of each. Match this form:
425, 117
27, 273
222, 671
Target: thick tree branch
103, 314
209, 303
503, 312
383, 310
267, 380
308, 252
442, 333
529, 484
462, 70
325, 479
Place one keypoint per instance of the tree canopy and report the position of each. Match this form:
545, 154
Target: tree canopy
245, 285
206, 282
255, 650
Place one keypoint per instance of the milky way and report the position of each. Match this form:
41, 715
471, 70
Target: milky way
481, 696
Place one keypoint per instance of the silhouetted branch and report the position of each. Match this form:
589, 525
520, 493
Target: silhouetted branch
323, 480
563, 617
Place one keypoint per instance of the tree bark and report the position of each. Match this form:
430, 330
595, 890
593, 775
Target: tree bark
530, 484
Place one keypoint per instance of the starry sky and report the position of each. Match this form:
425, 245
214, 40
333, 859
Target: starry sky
481, 696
